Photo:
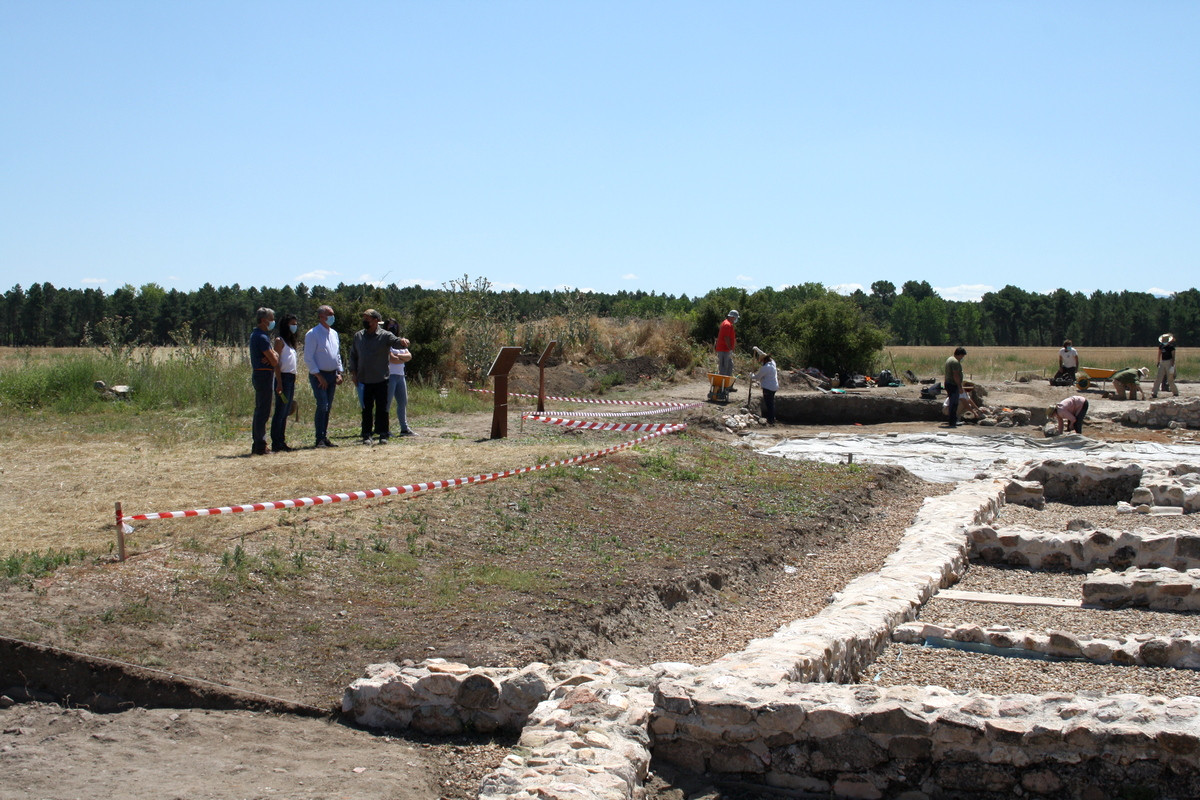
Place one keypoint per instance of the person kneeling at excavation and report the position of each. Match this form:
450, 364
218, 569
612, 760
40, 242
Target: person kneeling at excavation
1070, 413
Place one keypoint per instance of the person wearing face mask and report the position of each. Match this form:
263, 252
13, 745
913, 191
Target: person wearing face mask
369, 366
323, 356
263, 360
285, 381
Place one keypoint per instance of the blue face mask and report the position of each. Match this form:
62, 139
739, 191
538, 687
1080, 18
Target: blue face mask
293, 328
329, 320
271, 325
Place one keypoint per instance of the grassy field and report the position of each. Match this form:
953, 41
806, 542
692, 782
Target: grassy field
1005, 363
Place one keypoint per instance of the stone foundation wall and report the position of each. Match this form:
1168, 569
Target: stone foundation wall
1174, 413
867, 742
1159, 589
1084, 551
1084, 482
1143, 650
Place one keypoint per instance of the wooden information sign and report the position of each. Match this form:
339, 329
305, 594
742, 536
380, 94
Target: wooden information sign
499, 372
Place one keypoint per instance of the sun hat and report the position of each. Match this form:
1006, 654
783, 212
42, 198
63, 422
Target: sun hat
1166, 338
733, 314
1143, 372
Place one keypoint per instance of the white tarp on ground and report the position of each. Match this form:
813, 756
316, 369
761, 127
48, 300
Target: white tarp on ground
950, 457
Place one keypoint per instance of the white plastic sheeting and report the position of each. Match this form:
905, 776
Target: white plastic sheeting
950, 457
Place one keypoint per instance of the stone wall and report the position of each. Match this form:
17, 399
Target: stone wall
1091, 483
1084, 551
868, 742
1173, 413
1181, 652
1160, 589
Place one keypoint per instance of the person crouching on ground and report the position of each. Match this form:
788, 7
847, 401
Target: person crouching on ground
767, 377
1070, 413
954, 383
1128, 381
1068, 365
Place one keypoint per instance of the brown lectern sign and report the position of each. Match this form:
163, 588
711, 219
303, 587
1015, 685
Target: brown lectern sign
499, 371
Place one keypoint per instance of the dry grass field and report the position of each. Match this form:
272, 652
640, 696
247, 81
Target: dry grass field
1005, 363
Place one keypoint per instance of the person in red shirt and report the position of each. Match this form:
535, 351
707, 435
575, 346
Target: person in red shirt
726, 341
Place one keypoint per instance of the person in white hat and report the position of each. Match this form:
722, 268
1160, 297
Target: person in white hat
1128, 381
726, 341
1165, 377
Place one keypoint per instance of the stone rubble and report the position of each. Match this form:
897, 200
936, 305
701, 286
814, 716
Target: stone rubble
1161, 589
1179, 652
1085, 550
1174, 413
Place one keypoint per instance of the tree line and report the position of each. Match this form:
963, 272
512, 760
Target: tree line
43, 315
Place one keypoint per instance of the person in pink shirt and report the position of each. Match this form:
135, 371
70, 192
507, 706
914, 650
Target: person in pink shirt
1070, 412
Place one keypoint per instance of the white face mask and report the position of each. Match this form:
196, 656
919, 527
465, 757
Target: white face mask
293, 328
330, 320
271, 325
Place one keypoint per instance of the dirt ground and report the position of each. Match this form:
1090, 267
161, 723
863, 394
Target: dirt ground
318, 593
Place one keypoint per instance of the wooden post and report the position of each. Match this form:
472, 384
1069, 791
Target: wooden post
499, 371
542, 376
120, 533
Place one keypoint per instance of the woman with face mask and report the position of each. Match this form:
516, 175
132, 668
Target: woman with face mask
285, 381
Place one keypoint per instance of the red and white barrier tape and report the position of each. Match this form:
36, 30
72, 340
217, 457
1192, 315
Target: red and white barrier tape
648, 413
599, 426
590, 400
411, 488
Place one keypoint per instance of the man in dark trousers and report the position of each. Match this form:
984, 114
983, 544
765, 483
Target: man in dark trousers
954, 383
369, 366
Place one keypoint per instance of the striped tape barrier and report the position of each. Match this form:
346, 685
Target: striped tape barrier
412, 488
591, 400
648, 413
598, 426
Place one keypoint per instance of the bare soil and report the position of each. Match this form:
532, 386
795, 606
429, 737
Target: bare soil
615, 558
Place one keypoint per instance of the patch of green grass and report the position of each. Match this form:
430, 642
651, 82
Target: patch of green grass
137, 613
34, 564
665, 464
389, 568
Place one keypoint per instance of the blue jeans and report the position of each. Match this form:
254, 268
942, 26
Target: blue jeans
324, 398
953, 391
264, 387
768, 405
398, 389
283, 401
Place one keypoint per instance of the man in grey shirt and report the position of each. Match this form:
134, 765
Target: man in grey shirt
369, 366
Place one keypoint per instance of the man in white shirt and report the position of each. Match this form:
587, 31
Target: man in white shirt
1068, 364
323, 356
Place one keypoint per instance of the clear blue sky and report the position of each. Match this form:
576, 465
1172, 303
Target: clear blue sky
666, 146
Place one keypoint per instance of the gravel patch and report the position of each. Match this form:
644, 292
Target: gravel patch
906, 664
1055, 516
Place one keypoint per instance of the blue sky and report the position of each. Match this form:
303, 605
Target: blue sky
666, 146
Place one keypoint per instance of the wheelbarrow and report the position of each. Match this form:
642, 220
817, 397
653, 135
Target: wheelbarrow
1091, 374
719, 387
